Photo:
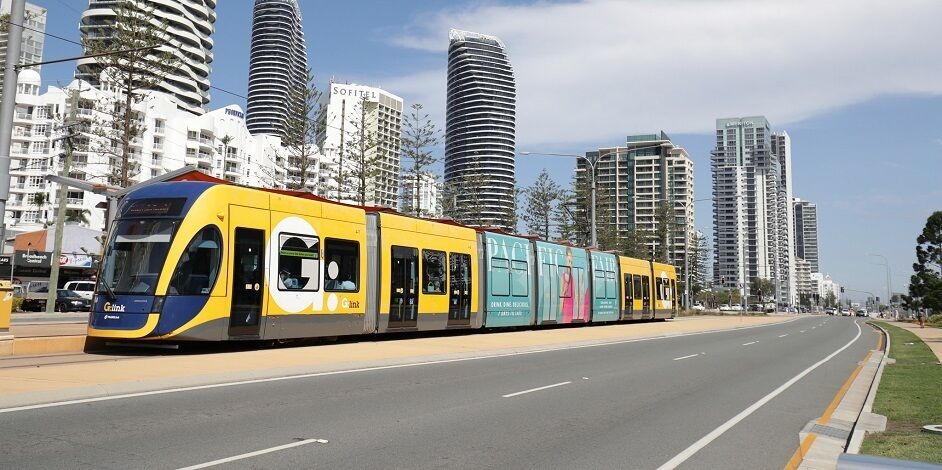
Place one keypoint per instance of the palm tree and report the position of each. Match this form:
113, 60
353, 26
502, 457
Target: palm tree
40, 200
77, 215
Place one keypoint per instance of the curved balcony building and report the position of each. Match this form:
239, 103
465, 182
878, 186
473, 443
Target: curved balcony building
277, 64
480, 128
189, 27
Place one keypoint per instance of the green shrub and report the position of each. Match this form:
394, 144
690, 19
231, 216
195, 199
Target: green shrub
17, 304
935, 319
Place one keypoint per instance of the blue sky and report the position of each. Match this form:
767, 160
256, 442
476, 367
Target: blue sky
858, 89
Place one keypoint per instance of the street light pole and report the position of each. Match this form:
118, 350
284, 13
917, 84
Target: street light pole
889, 282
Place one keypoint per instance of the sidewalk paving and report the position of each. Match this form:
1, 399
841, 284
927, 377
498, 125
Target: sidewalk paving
25, 385
930, 335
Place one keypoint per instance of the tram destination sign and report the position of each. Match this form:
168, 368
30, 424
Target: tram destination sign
154, 207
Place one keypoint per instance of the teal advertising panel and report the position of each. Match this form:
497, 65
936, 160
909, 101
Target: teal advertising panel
604, 287
509, 291
563, 284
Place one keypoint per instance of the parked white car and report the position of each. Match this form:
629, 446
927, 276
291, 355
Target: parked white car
725, 308
698, 307
84, 289
736, 308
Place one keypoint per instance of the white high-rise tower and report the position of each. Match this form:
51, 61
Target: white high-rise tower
189, 26
480, 115
277, 64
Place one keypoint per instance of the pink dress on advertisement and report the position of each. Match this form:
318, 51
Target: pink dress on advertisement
584, 314
565, 292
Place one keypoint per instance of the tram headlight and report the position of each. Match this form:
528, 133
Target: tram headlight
158, 304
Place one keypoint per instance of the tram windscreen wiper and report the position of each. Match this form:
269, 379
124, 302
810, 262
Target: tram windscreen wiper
108, 290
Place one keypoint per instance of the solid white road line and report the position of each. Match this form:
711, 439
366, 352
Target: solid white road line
705, 440
686, 357
256, 453
536, 389
747, 344
365, 369
782, 336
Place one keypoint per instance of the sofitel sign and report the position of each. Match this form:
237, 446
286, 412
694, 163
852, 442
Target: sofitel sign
740, 124
341, 90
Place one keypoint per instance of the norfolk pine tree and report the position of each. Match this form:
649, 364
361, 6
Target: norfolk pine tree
541, 198
132, 72
419, 135
364, 152
301, 129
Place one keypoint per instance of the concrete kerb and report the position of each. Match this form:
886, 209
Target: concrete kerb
869, 421
833, 434
100, 392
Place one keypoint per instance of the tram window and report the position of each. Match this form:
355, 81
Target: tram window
343, 265
519, 281
298, 257
500, 276
599, 284
646, 287
198, 267
639, 290
433, 272
610, 285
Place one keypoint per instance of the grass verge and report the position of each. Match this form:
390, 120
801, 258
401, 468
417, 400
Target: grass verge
910, 396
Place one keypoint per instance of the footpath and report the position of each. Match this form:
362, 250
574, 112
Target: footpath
26, 384
930, 335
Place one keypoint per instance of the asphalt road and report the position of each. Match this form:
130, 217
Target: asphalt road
629, 405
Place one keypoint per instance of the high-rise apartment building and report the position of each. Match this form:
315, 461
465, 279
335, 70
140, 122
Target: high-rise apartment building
806, 232
277, 64
31, 47
356, 116
188, 26
217, 143
750, 183
480, 114
782, 148
429, 200
635, 180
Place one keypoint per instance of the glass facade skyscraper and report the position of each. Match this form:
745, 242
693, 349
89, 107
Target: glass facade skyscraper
480, 119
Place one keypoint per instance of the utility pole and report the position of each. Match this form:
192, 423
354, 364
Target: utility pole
62, 202
8, 108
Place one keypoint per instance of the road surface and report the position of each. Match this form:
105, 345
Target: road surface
677, 401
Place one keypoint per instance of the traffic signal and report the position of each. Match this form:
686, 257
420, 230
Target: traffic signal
842, 289
878, 300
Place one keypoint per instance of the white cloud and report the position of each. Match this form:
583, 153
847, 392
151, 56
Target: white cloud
597, 69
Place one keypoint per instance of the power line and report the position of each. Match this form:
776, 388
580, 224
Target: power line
43, 33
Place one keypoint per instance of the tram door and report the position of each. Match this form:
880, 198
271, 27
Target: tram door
629, 299
248, 282
404, 289
646, 296
459, 277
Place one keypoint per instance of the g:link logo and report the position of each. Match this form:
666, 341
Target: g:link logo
109, 307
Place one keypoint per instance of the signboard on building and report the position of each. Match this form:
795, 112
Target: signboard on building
6, 260
32, 259
75, 260
353, 91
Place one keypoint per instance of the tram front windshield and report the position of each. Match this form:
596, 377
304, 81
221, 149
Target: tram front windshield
136, 255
